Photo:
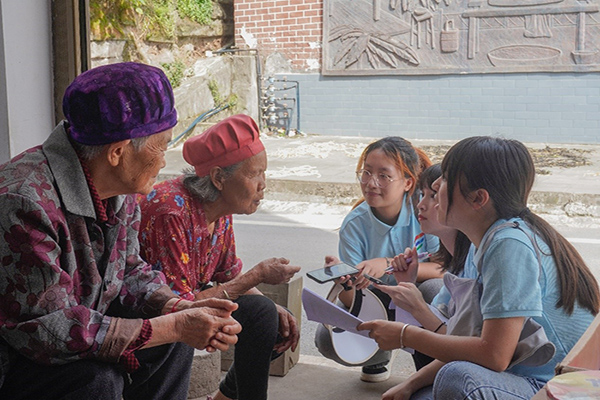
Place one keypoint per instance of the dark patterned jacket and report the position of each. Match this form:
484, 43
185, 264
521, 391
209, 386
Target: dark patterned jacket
70, 286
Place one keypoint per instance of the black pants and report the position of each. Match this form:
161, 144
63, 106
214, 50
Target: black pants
164, 373
248, 376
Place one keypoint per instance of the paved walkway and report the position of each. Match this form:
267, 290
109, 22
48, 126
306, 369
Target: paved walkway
322, 168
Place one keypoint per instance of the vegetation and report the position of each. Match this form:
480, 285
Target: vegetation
215, 93
115, 19
174, 72
199, 11
218, 99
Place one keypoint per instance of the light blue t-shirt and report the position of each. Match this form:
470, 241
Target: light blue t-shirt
514, 287
441, 300
363, 236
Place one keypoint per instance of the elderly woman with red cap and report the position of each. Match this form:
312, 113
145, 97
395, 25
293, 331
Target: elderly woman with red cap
187, 232
82, 316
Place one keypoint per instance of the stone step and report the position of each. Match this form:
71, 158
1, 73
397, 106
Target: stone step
206, 374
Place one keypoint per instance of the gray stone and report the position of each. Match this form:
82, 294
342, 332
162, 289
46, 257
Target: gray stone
185, 27
112, 49
245, 86
193, 98
206, 373
277, 63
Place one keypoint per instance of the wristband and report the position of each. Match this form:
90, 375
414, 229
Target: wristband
175, 305
402, 335
438, 328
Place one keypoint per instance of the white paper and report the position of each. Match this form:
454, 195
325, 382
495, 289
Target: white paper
404, 316
322, 310
407, 318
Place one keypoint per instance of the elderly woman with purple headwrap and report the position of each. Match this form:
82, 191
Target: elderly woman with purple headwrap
187, 232
81, 314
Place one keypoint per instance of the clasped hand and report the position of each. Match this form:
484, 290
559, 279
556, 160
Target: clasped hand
208, 324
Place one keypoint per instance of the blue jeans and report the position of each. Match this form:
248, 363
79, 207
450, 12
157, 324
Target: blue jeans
461, 380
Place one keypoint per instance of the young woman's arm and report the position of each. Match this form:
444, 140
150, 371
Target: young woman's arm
429, 270
408, 297
493, 350
420, 379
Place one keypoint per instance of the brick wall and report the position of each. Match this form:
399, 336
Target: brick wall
293, 28
535, 107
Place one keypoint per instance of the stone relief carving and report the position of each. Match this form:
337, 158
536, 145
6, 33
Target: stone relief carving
412, 37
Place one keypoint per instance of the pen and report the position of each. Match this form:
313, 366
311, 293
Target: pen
420, 256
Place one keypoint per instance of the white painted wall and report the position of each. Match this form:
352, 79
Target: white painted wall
26, 43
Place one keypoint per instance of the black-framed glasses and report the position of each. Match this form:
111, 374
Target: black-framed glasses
381, 180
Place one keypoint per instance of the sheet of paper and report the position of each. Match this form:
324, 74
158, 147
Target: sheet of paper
322, 310
404, 316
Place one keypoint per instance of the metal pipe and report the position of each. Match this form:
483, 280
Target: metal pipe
297, 86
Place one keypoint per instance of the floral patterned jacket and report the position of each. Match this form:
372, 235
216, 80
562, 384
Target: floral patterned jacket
65, 278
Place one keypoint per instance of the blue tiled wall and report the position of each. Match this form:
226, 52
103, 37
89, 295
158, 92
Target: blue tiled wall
552, 108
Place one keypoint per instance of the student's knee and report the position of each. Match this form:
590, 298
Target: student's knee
456, 380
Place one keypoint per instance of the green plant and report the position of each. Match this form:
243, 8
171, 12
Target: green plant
213, 87
174, 72
151, 18
230, 101
199, 11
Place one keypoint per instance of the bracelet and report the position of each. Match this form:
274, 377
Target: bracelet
225, 294
402, 335
438, 328
175, 305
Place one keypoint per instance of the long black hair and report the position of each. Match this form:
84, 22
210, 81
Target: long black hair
451, 263
505, 169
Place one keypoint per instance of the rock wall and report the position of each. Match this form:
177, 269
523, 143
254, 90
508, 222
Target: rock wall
209, 77
190, 43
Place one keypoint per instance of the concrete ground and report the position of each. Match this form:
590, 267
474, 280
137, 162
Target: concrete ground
321, 169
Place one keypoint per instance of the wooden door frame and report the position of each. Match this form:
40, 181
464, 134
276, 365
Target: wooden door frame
70, 46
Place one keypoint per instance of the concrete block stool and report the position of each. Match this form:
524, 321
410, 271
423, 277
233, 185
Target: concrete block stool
206, 374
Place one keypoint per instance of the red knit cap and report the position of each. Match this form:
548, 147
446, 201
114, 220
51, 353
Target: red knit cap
226, 143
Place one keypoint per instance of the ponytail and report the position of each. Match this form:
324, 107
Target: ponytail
505, 169
577, 283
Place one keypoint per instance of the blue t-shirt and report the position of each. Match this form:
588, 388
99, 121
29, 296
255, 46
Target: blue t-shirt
363, 236
515, 286
441, 300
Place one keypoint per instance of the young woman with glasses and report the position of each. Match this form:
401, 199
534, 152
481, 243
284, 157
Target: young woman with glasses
382, 225
527, 270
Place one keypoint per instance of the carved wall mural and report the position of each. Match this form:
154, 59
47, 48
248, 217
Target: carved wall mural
411, 37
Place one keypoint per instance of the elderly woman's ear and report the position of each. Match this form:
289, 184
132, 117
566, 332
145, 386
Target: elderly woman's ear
217, 177
114, 151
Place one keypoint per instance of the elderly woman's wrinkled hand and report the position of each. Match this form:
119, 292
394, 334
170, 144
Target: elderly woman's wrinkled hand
288, 329
209, 327
274, 271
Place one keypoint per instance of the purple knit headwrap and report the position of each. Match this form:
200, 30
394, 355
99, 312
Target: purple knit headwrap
121, 101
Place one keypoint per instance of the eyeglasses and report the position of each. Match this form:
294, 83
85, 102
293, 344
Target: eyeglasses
381, 180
